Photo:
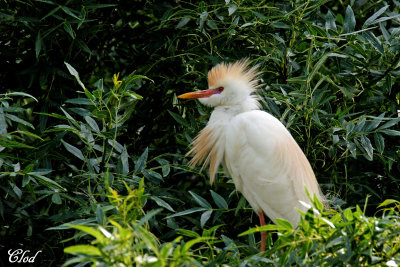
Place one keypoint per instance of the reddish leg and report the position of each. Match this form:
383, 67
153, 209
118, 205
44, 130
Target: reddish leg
263, 233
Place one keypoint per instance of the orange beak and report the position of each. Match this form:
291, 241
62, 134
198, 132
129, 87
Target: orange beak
201, 94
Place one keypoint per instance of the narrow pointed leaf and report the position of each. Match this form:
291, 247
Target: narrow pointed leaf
73, 150
186, 212
205, 217
201, 201
219, 200
371, 19
349, 20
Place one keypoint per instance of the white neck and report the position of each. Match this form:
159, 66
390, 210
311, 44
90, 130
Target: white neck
222, 114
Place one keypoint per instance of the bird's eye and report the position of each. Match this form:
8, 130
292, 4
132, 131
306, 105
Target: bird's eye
219, 90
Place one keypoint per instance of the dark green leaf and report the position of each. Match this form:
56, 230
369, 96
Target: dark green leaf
141, 161
160, 202
232, 9
69, 11
74, 150
16, 190
46, 181
69, 30
371, 19
38, 45
201, 201
219, 200
182, 22
366, 144
186, 212
205, 217
100, 215
3, 124
330, 21
56, 199
19, 120
92, 123
389, 123
379, 142
349, 20
391, 132
148, 216
124, 161
178, 118
79, 101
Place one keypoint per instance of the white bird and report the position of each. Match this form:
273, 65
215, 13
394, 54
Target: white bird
255, 149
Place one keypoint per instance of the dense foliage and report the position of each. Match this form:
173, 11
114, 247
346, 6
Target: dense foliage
93, 138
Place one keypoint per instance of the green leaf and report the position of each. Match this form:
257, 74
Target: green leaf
88, 230
165, 167
366, 144
46, 181
141, 161
348, 214
371, 19
391, 132
387, 36
96, 6
388, 202
147, 217
349, 20
389, 123
183, 22
317, 66
89, 95
3, 123
74, 73
178, 118
56, 199
83, 249
330, 21
284, 223
375, 42
16, 190
335, 138
187, 233
219, 200
232, 9
124, 161
152, 174
352, 148
379, 142
38, 45
73, 150
268, 227
186, 212
29, 134
69, 30
201, 201
160, 202
72, 70
54, 10
375, 123
92, 123
69, 11
205, 217
99, 215
19, 120
19, 94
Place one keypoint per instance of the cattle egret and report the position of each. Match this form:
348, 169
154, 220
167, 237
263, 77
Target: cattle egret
265, 162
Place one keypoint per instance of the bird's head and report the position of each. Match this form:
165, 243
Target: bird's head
229, 84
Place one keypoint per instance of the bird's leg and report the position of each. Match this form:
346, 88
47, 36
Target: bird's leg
263, 233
